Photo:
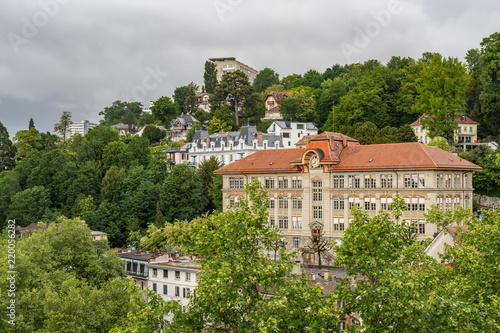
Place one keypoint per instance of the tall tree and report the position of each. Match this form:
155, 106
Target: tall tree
266, 78
179, 97
299, 106
489, 64
439, 84
7, 150
210, 77
27, 141
62, 274
29, 205
190, 104
398, 281
62, 127
164, 110
121, 112
234, 88
237, 275
182, 195
312, 79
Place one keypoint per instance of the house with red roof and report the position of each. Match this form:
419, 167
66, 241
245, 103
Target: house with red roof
465, 135
315, 186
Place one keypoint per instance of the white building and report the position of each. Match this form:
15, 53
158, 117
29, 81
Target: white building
231, 146
292, 131
174, 280
81, 127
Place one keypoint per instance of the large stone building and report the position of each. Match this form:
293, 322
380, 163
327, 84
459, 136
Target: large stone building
230, 64
314, 188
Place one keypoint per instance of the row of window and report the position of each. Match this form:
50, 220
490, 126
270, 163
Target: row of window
283, 222
450, 180
283, 182
186, 292
450, 203
354, 181
187, 275
283, 203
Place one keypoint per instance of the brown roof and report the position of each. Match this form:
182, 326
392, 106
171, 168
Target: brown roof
452, 229
342, 154
411, 155
265, 161
461, 120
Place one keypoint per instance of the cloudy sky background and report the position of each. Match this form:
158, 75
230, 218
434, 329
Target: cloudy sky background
81, 55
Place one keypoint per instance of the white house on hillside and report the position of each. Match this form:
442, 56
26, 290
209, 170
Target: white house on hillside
292, 131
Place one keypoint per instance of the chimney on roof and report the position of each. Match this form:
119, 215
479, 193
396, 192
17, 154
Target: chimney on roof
221, 132
326, 275
228, 139
208, 141
259, 138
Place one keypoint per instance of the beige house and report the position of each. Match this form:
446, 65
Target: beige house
314, 188
466, 133
230, 64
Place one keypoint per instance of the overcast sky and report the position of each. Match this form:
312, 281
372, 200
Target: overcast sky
81, 55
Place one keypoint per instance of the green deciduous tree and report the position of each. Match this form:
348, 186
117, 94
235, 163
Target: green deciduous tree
27, 141
30, 205
7, 150
121, 112
9, 186
112, 183
266, 78
63, 283
210, 77
489, 65
299, 106
439, 84
153, 134
237, 273
179, 97
182, 195
393, 275
440, 143
164, 110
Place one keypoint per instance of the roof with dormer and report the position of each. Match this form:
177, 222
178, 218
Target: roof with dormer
340, 153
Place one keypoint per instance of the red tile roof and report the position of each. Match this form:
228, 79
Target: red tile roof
461, 120
411, 155
265, 161
344, 154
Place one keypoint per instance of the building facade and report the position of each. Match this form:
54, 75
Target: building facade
292, 131
465, 135
231, 146
174, 280
230, 64
180, 126
81, 127
202, 101
314, 188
